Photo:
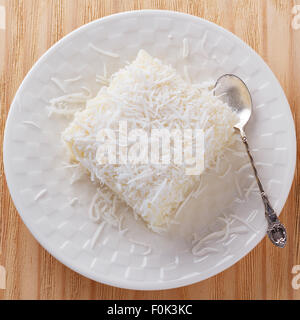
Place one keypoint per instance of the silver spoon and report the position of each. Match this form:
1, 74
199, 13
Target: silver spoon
232, 90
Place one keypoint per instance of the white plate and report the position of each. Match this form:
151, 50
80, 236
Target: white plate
33, 157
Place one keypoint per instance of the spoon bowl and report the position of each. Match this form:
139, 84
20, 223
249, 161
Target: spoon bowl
232, 90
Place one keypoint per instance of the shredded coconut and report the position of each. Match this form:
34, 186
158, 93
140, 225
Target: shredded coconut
71, 80
243, 167
226, 172
148, 94
31, 123
73, 201
59, 84
203, 251
244, 222
104, 52
238, 188
250, 189
40, 194
97, 234
185, 48
186, 74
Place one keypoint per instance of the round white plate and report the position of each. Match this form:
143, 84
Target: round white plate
33, 157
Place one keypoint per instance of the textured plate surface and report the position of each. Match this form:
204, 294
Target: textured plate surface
33, 156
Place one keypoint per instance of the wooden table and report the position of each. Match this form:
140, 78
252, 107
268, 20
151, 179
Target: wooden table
33, 26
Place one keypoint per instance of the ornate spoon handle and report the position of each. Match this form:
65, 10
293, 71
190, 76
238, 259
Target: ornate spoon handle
276, 231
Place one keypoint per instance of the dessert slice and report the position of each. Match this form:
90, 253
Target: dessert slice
147, 95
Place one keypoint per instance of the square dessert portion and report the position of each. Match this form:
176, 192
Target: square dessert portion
147, 95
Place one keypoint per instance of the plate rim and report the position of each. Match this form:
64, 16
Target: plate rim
134, 284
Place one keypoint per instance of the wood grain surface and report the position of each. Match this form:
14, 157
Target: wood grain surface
33, 26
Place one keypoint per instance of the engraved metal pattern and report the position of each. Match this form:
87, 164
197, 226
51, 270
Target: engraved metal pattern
276, 230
